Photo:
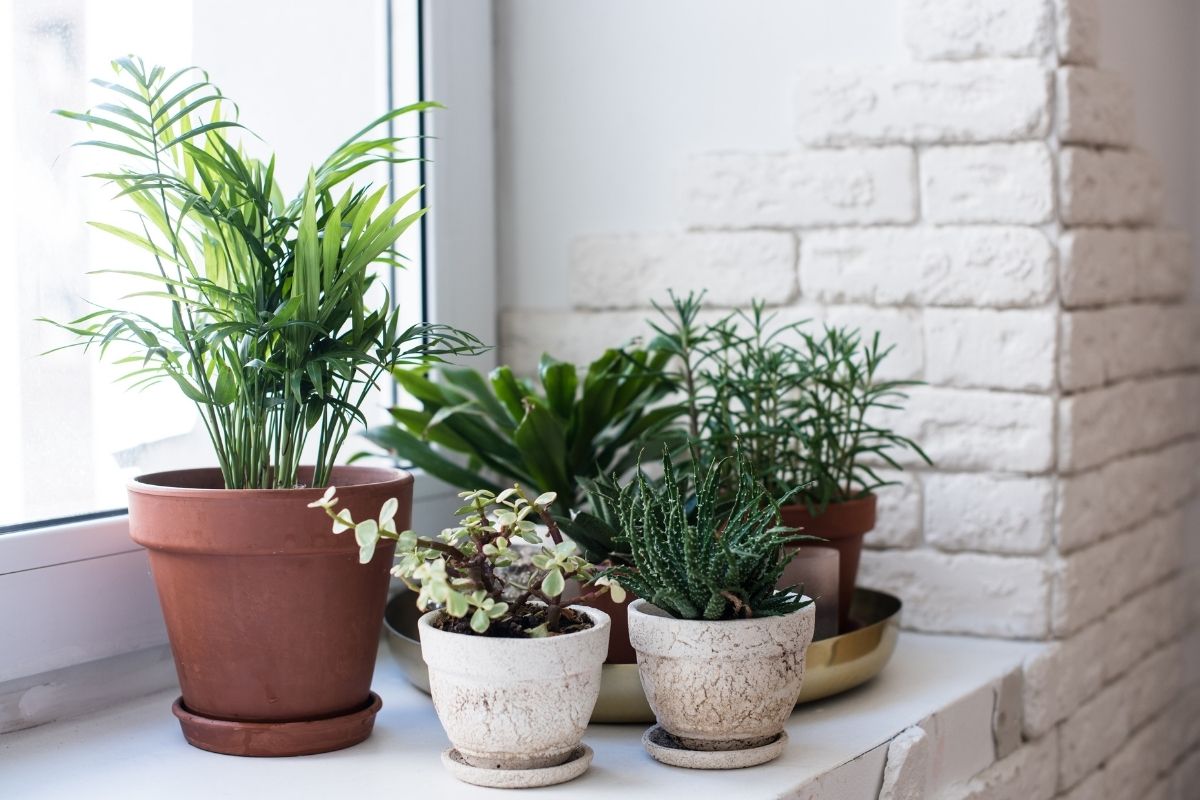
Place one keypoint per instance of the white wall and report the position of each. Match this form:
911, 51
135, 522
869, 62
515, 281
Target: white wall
597, 103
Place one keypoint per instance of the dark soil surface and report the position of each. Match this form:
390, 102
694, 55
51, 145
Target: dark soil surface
516, 628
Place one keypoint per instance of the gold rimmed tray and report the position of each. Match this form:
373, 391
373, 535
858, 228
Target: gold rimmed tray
833, 665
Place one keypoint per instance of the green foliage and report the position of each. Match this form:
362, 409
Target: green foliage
463, 569
716, 561
546, 435
798, 406
266, 323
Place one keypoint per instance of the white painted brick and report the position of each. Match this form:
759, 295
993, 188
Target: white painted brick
1101, 265
1061, 677
1030, 773
993, 513
1091, 788
1132, 772
982, 101
961, 266
629, 271
960, 29
1093, 733
977, 430
1109, 187
984, 348
1078, 31
1185, 778
1109, 344
906, 772
982, 595
898, 521
1155, 683
1143, 623
961, 737
898, 328
1093, 107
1119, 494
999, 183
578, 337
1102, 424
799, 189
1091, 582
1164, 265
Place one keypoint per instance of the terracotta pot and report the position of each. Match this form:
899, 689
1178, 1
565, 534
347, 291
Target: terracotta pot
515, 704
620, 651
843, 525
724, 685
271, 618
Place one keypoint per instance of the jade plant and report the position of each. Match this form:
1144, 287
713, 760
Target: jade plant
472, 571
271, 318
800, 406
572, 423
703, 557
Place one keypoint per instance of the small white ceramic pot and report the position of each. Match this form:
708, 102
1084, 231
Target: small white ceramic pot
727, 685
515, 703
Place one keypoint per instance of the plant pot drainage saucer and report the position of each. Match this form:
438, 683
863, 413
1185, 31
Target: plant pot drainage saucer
575, 766
664, 747
298, 738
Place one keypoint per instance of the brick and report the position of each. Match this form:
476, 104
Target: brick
1110, 344
898, 521
1030, 773
962, 737
961, 29
992, 513
1061, 677
898, 328
1134, 769
1184, 778
997, 183
984, 348
1095, 504
983, 101
1093, 107
1143, 623
1109, 187
1078, 31
964, 429
1091, 582
629, 271
578, 337
983, 595
1101, 266
907, 768
799, 189
1103, 424
1158, 680
960, 266
1093, 733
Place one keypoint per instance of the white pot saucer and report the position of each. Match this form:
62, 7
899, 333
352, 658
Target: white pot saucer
664, 747
575, 766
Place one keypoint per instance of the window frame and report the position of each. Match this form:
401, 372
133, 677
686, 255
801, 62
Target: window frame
82, 587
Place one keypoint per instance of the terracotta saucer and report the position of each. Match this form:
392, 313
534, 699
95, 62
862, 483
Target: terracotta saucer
575, 766
300, 738
664, 747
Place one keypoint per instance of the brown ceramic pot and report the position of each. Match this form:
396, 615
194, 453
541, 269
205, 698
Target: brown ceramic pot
271, 618
620, 650
843, 525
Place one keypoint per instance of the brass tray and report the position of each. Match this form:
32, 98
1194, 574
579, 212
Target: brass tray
833, 665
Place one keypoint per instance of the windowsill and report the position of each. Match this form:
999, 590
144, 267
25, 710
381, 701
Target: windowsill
837, 747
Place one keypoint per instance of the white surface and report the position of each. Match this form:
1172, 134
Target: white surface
136, 751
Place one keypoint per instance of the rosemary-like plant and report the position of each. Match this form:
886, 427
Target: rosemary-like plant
717, 561
267, 325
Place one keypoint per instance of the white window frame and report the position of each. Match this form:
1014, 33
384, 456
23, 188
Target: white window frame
78, 599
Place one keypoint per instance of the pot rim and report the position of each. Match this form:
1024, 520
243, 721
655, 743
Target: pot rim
637, 606
869, 498
601, 621
160, 484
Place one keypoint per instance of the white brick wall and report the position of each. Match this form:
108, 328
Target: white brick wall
987, 101
1111, 344
990, 513
1078, 31
635, 269
958, 29
1093, 107
990, 349
1102, 265
987, 183
896, 326
1109, 187
958, 266
799, 189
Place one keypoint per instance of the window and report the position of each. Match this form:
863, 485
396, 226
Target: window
304, 79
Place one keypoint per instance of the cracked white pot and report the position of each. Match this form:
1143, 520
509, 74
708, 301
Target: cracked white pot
515, 703
724, 685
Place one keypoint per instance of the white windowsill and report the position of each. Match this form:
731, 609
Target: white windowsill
838, 746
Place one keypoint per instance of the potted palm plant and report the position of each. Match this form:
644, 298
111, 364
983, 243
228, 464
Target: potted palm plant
720, 649
800, 408
514, 668
268, 325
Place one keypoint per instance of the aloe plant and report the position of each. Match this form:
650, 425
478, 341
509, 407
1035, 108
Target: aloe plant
545, 436
266, 324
